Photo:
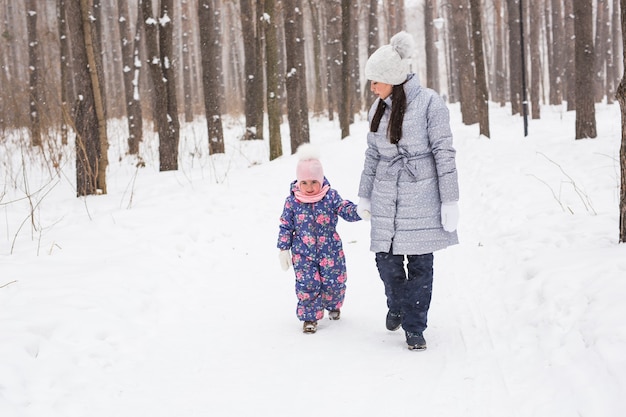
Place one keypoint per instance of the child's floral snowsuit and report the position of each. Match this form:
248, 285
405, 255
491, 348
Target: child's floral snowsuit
309, 231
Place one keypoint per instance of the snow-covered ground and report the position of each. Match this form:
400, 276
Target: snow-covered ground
165, 296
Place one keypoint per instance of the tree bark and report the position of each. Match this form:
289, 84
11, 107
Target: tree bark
569, 72
87, 141
585, 105
515, 60
211, 50
248, 25
535, 60
432, 59
260, 63
621, 97
464, 61
482, 95
130, 77
346, 84
556, 70
318, 100
273, 95
33, 69
297, 107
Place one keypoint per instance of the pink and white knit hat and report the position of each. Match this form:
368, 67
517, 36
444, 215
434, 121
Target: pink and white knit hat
309, 166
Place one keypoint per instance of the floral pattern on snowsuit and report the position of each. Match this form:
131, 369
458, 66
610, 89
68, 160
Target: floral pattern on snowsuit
309, 231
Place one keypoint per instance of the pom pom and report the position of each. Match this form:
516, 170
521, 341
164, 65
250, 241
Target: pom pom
403, 44
308, 151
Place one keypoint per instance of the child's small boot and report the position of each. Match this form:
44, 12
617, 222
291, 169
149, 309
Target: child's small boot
309, 327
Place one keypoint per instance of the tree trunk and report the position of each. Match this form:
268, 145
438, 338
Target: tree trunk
92, 49
482, 95
248, 25
432, 59
67, 89
535, 59
569, 72
187, 36
88, 145
210, 46
346, 84
273, 96
599, 47
332, 11
515, 59
297, 111
355, 79
33, 67
500, 61
260, 63
464, 61
556, 70
373, 42
318, 101
130, 77
585, 106
621, 97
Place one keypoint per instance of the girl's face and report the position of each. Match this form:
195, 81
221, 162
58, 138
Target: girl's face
310, 187
382, 90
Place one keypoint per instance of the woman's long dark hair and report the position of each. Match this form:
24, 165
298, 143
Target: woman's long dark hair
398, 107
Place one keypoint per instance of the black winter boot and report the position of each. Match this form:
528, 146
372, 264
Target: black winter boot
394, 320
415, 341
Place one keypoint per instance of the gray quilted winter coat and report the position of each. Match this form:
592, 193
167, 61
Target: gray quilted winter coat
406, 183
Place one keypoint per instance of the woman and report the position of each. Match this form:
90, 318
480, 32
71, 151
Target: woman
408, 185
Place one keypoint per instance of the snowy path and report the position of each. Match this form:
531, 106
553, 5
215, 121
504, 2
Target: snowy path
177, 307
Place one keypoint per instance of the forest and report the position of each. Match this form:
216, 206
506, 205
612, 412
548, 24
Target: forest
69, 66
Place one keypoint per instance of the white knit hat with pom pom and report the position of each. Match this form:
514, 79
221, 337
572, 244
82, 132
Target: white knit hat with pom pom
390, 64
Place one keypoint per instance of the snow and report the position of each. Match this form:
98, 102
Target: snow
165, 296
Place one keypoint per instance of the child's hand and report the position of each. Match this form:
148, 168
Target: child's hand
284, 257
363, 209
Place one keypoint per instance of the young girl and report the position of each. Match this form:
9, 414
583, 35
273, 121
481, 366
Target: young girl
309, 241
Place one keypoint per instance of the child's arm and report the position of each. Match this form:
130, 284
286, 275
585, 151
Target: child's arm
286, 227
346, 209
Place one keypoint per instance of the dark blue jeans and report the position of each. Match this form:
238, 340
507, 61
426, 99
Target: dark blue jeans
408, 291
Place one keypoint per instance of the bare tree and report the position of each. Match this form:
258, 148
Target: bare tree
515, 60
211, 73
316, 25
91, 144
432, 64
373, 41
130, 76
273, 96
260, 64
569, 71
556, 65
499, 91
585, 108
297, 109
346, 85
535, 59
334, 57
252, 79
67, 86
621, 97
33, 69
482, 95
464, 61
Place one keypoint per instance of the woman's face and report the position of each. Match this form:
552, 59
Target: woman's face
310, 187
382, 90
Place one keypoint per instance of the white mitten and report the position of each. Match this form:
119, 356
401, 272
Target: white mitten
364, 208
450, 216
284, 257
